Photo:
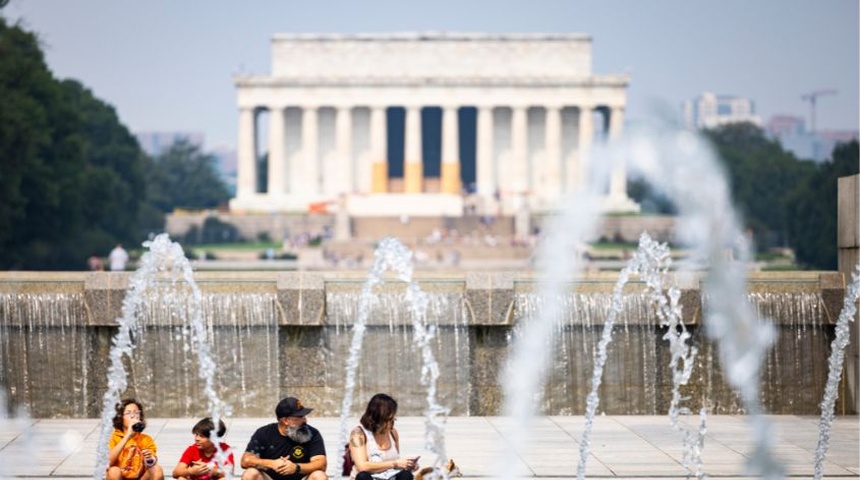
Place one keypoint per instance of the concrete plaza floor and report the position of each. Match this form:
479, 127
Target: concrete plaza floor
630, 447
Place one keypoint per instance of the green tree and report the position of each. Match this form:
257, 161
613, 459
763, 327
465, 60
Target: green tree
41, 158
761, 174
71, 181
812, 208
114, 184
649, 199
184, 177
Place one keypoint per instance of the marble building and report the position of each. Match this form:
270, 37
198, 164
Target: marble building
425, 124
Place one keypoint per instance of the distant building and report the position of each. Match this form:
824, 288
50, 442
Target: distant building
156, 143
783, 126
709, 110
791, 133
404, 124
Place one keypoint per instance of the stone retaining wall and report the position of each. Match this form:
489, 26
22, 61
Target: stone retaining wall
279, 333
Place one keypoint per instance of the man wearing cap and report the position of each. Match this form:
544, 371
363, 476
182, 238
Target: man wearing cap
287, 450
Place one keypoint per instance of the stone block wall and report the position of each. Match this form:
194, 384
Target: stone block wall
291, 333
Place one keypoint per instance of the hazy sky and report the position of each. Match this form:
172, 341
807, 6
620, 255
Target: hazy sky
169, 65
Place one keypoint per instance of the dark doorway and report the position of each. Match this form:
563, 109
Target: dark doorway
396, 126
467, 119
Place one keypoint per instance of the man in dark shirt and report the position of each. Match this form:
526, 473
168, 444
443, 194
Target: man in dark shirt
287, 450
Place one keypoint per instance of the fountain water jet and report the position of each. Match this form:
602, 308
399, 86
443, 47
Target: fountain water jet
392, 255
651, 261
675, 162
655, 264
164, 277
837, 358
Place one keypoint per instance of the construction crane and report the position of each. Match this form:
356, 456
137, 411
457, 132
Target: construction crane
812, 97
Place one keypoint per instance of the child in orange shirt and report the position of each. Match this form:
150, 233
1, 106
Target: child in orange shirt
133, 454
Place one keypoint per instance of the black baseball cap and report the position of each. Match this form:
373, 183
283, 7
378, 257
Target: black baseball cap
291, 407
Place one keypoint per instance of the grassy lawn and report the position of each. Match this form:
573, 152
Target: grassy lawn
237, 246
605, 246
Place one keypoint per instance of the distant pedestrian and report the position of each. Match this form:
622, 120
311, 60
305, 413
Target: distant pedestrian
95, 264
118, 258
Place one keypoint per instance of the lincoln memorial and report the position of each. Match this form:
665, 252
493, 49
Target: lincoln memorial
425, 124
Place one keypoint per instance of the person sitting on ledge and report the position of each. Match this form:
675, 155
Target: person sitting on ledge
202, 461
133, 454
289, 449
374, 444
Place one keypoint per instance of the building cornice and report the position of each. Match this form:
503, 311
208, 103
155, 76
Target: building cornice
431, 36
256, 81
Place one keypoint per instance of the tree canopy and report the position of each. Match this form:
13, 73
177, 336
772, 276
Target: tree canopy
812, 209
786, 201
70, 174
73, 179
184, 177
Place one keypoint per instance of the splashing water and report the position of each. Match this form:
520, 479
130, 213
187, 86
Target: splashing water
676, 163
651, 261
436, 415
683, 167
526, 370
655, 263
392, 255
593, 400
165, 276
837, 358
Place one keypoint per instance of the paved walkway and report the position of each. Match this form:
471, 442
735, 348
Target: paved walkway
621, 446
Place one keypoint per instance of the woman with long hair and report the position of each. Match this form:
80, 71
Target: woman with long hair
374, 445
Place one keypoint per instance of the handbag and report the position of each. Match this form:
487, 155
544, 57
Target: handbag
347, 461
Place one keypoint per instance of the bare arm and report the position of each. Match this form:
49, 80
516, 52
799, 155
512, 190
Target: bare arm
113, 455
318, 462
251, 460
181, 470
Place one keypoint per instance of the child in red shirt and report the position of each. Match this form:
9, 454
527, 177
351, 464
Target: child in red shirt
202, 461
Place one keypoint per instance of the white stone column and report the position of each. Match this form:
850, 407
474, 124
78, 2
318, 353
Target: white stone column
277, 152
552, 180
577, 180
413, 168
618, 182
450, 151
379, 151
310, 147
519, 151
246, 170
343, 139
485, 169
